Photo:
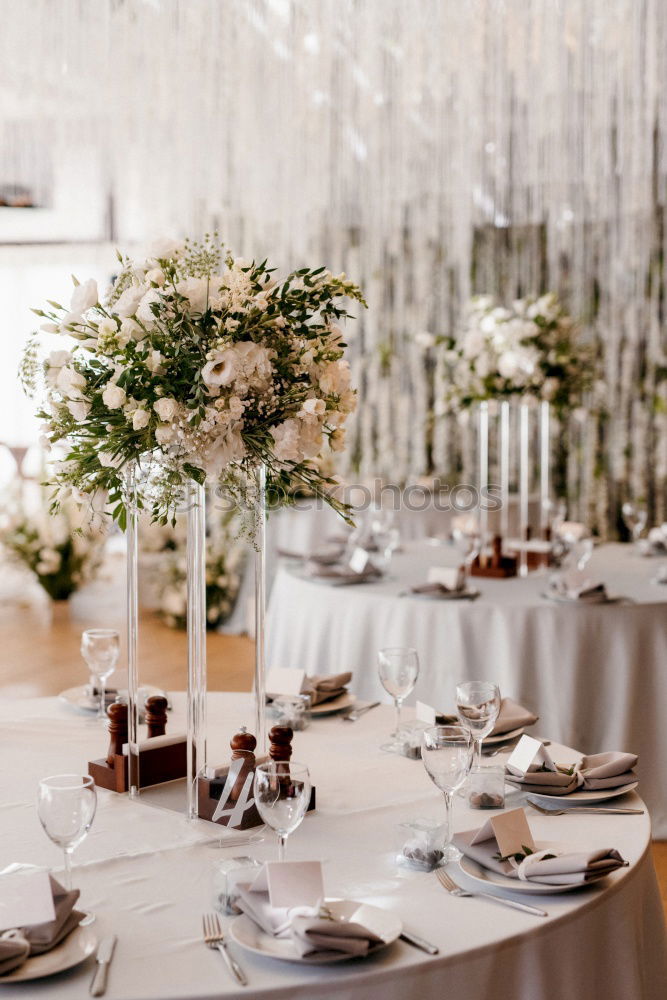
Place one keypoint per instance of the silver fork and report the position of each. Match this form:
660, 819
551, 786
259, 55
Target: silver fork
355, 713
214, 938
448, 883
611, 811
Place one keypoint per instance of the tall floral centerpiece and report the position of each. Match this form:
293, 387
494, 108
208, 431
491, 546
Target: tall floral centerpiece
195, 367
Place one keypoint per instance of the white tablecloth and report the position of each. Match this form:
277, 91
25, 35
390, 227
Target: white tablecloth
597, 675
147, 874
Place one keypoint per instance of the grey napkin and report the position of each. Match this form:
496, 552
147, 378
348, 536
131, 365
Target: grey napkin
322, 687
608, 770
511, 716
39, 938
547, 782
319, 934
432, 589
574, 589
575, 868
341, 574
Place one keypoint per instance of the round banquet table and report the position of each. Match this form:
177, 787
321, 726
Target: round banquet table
147, 872
596, 674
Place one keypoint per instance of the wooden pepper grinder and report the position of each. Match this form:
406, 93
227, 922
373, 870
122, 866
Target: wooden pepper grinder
281, 743
156, 715
497, 556
117, 713
243, 746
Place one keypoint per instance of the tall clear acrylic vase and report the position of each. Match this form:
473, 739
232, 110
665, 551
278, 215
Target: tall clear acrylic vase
196, 623
132, 619
260, 607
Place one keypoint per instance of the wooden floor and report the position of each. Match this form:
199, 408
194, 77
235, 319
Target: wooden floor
39, 654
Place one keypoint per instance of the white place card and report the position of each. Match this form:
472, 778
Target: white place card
291, 883
529, 754
425, 713
359, 560
510, 830
284, 680
25, 899
449, 576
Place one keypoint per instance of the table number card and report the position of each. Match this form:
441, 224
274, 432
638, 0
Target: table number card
25, 899
529, 754
425, 713
511, 832
449, 576
291, 883
359, 560
284, 680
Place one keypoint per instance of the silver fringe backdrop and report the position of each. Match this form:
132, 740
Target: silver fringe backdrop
430, 148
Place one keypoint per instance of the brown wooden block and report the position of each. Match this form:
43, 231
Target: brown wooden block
155, 766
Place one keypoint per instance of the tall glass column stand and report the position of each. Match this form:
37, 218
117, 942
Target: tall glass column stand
196, 622
260, 607
132, 619
523, 488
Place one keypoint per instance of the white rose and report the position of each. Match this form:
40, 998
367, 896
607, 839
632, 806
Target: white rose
155, 276
508, 364
79, 409
70, 382
166, 408
84, 296
154, 362
473, 343
131, 330
113, 396
164, 434
196, 291
128, 301
315, 407
335, 377
164, 248
140, 419
287, 441
57, 359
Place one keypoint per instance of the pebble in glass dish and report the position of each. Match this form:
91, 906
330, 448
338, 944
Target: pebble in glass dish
421, 843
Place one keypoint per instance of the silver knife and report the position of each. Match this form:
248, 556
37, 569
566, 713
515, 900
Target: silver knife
525, 907
103, 958
354, 714
420, 943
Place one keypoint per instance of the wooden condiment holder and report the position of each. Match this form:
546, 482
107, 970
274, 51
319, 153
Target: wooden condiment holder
499, 566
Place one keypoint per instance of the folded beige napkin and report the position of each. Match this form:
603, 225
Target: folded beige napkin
434, 589
511, 716
40, 938
324, 557
547, 782
574, 588
571, 868
608, 770
341, 573
323, 687
319, 934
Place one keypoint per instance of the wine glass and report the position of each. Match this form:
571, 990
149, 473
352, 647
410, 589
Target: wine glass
398, 667
477, 706
447, 755
282, 795
635, 519
100, 648
66, 805
467, 536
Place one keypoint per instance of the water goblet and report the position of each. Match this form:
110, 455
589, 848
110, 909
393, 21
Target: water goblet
66, 805
282, 795
477, 706
635, 519
447, 755
398, 668
468, 539
100, 648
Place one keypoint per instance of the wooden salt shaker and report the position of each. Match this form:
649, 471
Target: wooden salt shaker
243, 745
156, 715
117, 713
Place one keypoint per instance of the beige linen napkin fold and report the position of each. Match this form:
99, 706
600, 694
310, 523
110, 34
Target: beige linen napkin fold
320, 935
341, 573
325, 687
572, 868
511, 716
41, 938
547, 782
608, 770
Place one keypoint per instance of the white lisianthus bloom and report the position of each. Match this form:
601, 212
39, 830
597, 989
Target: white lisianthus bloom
310, 441
78, 408
487, 324
287, 438
509, 364
70, 382
165, 248
140, 419
473, 343
128, 301
155, 276
145, 312
131, 330
166, 408
69, 321
84, 296
337, 439
113, 396
57, 359
221, 369
335, 377
314, 407
196, 291
50, 327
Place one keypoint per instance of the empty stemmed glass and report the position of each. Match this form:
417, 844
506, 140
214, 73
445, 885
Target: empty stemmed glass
100, 648
398, 668
447, 754
468, 539
66, 805
282, 795
477, 706
635, 519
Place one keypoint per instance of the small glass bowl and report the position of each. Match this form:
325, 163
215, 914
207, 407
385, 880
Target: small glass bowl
420, 844
485, 788
226, 875
290, 710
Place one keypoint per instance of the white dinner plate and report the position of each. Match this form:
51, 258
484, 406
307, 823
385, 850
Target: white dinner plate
478, 873
505, 737
79, 699
339, 704
385, 924
76, 948
581, 796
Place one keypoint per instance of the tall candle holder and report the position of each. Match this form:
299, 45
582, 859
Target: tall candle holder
524, 428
